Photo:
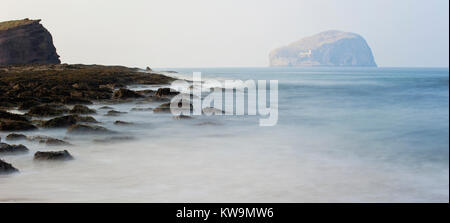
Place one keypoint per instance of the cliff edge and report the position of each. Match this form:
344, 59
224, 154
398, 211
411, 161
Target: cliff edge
26, 42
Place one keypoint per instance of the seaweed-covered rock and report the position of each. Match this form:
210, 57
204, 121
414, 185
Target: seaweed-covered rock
53, 156
6, 168
59, 122
15, 136
81, 109
67, 120
48, 110
124, 93
106, 107
12, 125
12, 149
87, 129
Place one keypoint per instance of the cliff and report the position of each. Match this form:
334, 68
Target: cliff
26, 42
330, 48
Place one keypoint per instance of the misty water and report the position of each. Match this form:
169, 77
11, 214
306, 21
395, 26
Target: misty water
343, 135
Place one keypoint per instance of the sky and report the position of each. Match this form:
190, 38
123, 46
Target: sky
233, 33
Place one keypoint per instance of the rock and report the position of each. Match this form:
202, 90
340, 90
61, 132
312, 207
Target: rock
15, 136
6, 168
113, 139
26, 42
53, 155
11, 125
114, 113
141, 109
12, 116
330, 48
47, 110
118, 122
60, 122
166, 92
54, 142
29, 86
12, 149
87, 119
146, 92
28, 104
82, 109
124, 93
106, 107
148, 69
87, 129
67, 120
179, 117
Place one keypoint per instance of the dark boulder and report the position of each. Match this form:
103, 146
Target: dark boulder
59, 122
6, 168
118, 122
12, 116
11, 125
15, 136
53, 156
48, 110
81, 109
12, 149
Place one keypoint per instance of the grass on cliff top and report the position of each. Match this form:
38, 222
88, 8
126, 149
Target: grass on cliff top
15, 23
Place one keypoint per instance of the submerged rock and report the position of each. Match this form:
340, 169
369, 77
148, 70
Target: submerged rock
179, 117
118, 122
106, 107
15, 136
87, 129
114, 139
81, 109
114, 113
53, 155
48, 140
141, 109
6, 168
12, 149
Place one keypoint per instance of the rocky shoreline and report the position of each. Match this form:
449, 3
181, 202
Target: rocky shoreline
57, 97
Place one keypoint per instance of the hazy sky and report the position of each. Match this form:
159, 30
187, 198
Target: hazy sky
210, 33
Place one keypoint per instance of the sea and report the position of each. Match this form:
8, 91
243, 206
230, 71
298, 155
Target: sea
341, 135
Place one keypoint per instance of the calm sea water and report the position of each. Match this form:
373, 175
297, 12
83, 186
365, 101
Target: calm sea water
343, 135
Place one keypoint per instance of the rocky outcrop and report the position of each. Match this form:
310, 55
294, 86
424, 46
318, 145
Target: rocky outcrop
26, 42
53, 155
6, 168
330, 48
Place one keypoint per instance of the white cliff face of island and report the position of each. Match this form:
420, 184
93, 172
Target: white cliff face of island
329, 48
